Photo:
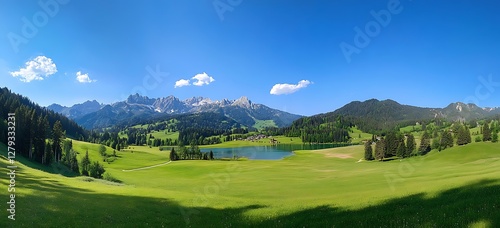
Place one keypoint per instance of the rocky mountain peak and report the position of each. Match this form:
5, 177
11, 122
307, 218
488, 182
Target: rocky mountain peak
243, 102
139, 99
198, 101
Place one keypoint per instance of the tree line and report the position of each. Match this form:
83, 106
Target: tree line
38, 131
397, 144
191, 153
319, 129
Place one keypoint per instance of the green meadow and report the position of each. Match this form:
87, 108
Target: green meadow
457, 187
261, 124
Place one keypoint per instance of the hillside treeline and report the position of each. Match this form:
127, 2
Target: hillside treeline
38, 132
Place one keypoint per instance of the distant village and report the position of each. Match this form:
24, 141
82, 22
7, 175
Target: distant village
258, 138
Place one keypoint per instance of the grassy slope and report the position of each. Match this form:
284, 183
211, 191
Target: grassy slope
355, 135
162, 135
316, 188
261, 124
136, 156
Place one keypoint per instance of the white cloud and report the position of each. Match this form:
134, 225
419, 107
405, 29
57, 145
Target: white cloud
198, 80
181, 83
280, 89
36, 69
83, 78
202, 79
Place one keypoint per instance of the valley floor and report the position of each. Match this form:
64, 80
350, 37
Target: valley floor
457, 187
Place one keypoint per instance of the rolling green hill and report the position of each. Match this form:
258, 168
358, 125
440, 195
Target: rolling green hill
375, 116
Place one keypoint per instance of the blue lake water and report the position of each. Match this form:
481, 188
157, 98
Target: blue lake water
277, 152
253, 153
293, 147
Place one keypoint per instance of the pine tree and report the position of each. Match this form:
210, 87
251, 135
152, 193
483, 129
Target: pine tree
391, 144
85, 164
486, 132
410, 145
468, 135
42, 126
73, 162
425, 146
57, 137
47, 155
446, 140
435, 144
368, 151
463, 136
173, 155
494, 137
380, 150
66, 152
450, 141
401, 151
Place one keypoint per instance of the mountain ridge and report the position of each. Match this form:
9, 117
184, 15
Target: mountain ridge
91, 114
380, 115
77, 110
243, 110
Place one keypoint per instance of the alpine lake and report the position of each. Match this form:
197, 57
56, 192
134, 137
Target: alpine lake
275, 152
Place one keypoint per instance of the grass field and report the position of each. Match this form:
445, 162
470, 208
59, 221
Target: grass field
412, 128
261, 124
165, 135
458, 187
356, 133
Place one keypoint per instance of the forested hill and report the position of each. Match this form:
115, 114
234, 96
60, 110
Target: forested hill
386, 111
32, 120
376, 116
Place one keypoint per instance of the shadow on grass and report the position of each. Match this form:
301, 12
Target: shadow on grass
458, 207
55, 204
52, 203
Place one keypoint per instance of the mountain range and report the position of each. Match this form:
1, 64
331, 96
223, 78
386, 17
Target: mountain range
376, 116
77, 110
390, 110
380, 114
92, 114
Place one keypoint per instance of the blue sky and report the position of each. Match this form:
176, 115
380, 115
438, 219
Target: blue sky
289, 55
